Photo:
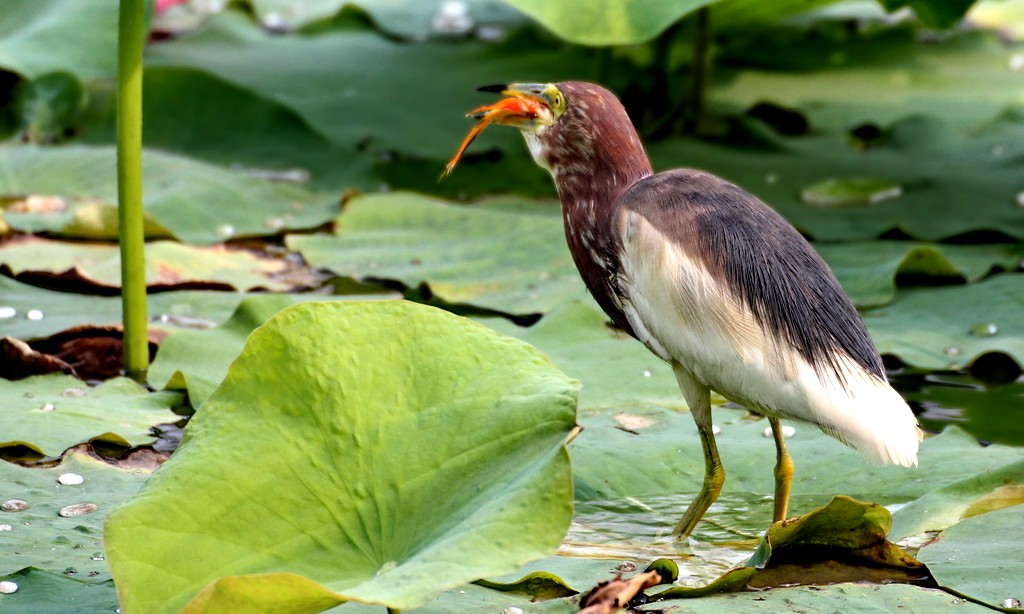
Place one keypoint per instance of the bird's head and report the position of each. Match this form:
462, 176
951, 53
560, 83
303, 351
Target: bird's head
570, 127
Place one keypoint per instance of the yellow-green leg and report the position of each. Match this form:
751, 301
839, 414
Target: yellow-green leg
783, 471
698, 396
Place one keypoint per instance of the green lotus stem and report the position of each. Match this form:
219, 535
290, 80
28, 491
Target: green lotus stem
131, 35
701, 67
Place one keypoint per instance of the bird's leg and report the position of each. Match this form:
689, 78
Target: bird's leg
698, 396
783, 471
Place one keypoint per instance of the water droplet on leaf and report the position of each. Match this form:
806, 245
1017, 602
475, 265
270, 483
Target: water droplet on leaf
626, 566
1011, 603
70, 571
35, 315
952, 351
72, 392
98, 556
986, 329
852, 192
7, 312
224, 231
48, 407
7, 587
70, 479
14, 505
78, 509
647, 372
6, 527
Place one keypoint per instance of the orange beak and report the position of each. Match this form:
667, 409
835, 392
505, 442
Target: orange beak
508, 111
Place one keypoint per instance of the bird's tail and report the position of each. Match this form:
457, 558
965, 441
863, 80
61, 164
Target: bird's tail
869, 416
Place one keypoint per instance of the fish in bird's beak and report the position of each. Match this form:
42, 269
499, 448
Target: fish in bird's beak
528, 107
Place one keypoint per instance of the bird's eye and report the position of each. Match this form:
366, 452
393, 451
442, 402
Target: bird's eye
558, 101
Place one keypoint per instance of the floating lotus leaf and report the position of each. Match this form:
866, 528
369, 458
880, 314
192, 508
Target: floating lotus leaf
937, 328
49, 592
51, 413
943, 507
980, 557
40, 537
506, 254
198, 203
63, 310
952, 181
168, 264
868, 270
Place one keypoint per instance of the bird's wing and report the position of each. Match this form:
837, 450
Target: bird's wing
756, 259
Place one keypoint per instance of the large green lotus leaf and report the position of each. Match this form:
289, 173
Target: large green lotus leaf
199, 203
504, 254
964, 80
935, 13
951, 182
981, 557
167, 264
361, 90
41, 36
47, 592
990, 490
196, 361
949, 327
868, 270
403, 506
40, 537
54, 412
608, 22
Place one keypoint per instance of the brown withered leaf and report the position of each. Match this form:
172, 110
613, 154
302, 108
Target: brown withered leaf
18, 360
612, 595
89, 352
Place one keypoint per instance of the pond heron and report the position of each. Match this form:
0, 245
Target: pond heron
713, 281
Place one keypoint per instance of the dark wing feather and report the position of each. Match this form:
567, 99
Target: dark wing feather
762, 259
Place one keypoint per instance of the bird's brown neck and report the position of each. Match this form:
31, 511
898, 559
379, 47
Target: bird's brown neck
590, 180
